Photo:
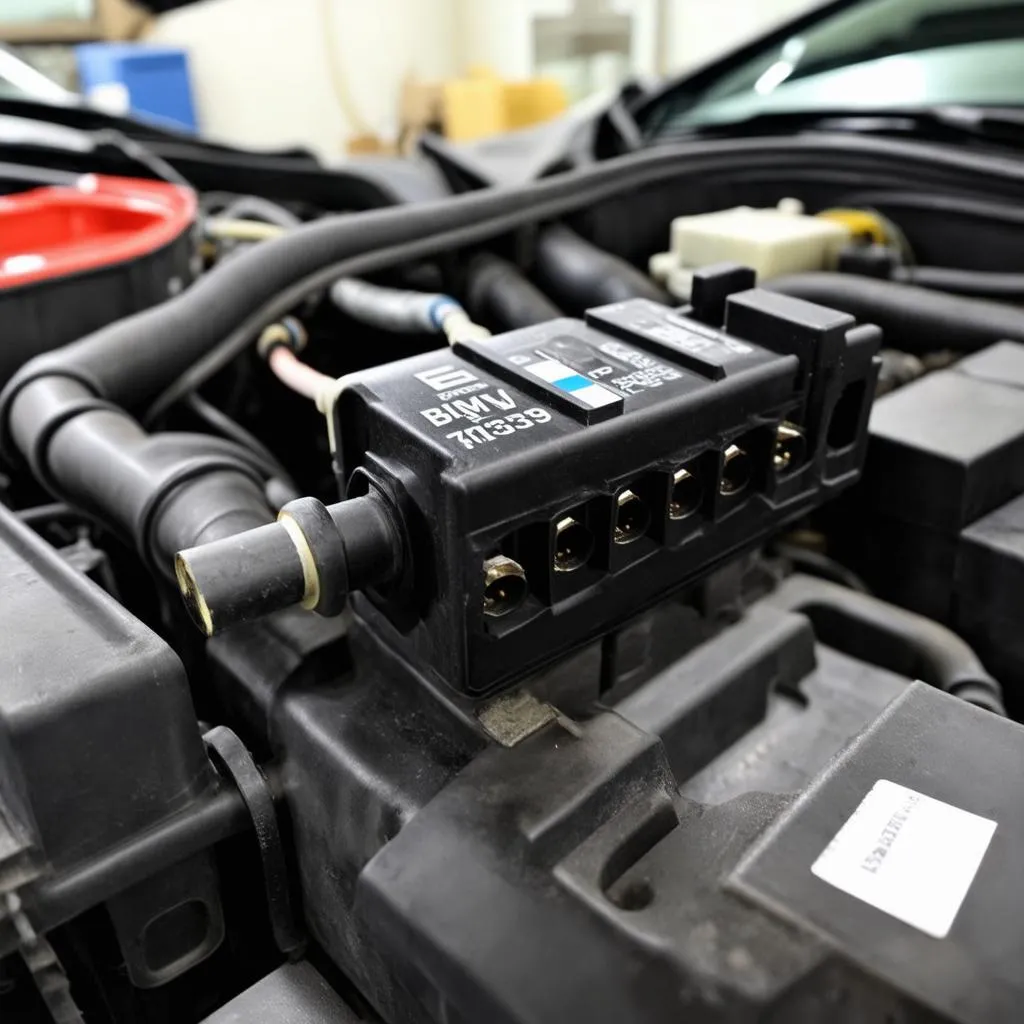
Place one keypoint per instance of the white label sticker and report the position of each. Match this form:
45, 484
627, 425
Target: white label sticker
566, 379
908, 855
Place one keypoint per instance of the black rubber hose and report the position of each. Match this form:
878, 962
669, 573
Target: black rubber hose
258, 208
314, 555
397, 310
578, 275
913, 320
948, 207
127, 363
821, 566
222, 424
164, 492
139, 154
130, 361
890, 637
499, 295
979, 284
54, 511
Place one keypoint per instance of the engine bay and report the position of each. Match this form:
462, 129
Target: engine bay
588, 598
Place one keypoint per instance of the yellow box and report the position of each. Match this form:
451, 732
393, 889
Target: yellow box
473, 108
528, 103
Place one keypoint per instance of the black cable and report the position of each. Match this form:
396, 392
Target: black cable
912, 315
980, 284
890, 637
221, 423
139, 154
814, 563
498, 294
40, 515
567, 197
914, 320
579, 275
258, 208
478, 229
395, 310
212, 202
211, 445
943, 204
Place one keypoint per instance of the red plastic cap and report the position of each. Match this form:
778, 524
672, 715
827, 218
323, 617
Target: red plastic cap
49, 233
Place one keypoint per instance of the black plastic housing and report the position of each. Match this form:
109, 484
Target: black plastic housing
498, 448
950, 447
990, 593
98, 744
945, 451
928, 742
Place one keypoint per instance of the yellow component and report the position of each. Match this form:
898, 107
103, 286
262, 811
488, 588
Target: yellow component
859, 223
310, 576
531, 102
242, 230
473, 108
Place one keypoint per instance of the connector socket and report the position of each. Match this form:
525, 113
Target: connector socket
736, 472
686, 496
632, 517
505, 586
574, 544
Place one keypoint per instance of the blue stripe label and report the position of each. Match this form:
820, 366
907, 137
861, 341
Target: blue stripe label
573, 383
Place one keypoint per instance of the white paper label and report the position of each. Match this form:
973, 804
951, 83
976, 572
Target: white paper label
908, 855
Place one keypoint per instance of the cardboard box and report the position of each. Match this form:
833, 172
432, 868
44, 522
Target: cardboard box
111, 20
478, 105
122, 19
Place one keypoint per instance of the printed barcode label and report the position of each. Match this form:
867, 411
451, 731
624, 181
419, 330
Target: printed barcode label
908, 855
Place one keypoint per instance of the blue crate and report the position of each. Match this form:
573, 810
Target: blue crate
155, 78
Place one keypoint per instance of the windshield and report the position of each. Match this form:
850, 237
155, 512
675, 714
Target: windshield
878, 54
19, 80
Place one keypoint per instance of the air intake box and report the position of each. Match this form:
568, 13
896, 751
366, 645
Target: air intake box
555, 480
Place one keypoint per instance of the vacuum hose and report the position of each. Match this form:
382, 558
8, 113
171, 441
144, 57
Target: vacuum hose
981, 284
914, 320
498, 293
891, 637
579, 275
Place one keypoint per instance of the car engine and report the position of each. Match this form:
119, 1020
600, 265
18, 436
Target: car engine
437, 600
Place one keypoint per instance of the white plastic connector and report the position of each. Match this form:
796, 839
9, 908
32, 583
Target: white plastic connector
775, 241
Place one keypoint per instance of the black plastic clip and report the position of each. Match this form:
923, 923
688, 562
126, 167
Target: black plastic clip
232, 758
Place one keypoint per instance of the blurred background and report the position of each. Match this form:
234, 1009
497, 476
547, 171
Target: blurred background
360, 76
